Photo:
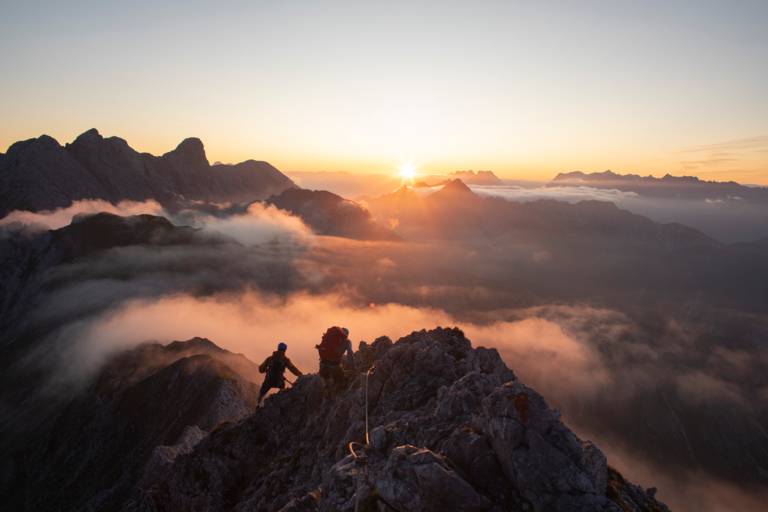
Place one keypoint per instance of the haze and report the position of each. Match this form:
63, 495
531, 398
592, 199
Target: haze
524, 89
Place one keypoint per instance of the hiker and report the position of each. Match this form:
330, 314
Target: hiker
274, 366
335, 343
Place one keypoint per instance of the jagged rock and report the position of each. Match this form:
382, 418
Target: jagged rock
451, 428
163, 456
40, 174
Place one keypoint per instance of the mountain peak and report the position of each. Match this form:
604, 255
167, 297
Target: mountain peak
477, 177
44, 142
455, 187
190, 144
456, 184
89, 136
191, 149
194, 343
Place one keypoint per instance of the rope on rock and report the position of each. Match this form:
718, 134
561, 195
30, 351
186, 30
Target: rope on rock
367, 440
362, 458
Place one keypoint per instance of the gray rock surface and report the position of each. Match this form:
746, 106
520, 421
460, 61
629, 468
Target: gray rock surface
451, 428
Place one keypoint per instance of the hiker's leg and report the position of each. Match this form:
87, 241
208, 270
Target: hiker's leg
264, 390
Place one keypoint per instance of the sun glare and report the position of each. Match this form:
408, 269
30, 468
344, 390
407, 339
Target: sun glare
407, 172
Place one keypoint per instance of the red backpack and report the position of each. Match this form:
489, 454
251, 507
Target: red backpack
332, 346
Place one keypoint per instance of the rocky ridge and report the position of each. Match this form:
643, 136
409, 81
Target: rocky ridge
40, 174
451, 428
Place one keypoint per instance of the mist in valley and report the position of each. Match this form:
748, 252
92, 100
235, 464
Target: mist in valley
666, 373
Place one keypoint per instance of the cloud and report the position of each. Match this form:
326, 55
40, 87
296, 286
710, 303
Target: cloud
259, 224
739, 159
598, 366
567, 194
759, 142
591, 363
644, 377
55, 219
251, 323
693, 491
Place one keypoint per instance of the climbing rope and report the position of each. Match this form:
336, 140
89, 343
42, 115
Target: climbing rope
362, 458
367, 440
357, 450
364, 378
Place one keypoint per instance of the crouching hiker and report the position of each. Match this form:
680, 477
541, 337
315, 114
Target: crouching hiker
335, 343
274, 366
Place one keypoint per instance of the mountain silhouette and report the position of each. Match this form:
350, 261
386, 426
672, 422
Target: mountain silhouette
40, 174
330, 214
681, 187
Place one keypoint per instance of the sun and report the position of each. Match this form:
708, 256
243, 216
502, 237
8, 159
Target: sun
407, 172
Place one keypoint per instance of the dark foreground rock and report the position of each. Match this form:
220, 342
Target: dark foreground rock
451, 428
147, 406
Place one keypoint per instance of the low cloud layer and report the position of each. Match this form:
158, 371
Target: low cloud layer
55, 219
259, 224
252, 324
588, 362
630, 372
567, 194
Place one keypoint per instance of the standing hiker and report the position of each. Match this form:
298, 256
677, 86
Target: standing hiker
335, 343
274, 366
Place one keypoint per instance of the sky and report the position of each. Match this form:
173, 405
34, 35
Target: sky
526, 89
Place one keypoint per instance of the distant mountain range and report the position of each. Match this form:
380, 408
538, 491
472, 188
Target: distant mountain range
455, 211
40, 174
684, 187
482, 178
590, 248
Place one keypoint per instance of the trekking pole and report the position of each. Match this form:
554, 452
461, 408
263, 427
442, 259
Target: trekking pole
288, 380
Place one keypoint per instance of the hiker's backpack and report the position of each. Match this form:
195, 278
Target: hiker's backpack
332, 346
275, 369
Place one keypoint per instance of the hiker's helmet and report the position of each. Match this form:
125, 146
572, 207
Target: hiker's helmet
282, 347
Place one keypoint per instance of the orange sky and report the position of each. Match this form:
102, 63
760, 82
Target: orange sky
523, 89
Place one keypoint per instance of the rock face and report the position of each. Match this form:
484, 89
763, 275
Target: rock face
147, 406
40, 174
451, 428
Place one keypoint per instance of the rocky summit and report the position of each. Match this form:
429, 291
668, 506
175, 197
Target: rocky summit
450, 427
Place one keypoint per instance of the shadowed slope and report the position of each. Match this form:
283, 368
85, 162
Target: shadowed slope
97, 448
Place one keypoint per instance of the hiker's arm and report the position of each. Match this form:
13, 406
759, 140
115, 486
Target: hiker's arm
294, 370
263, 366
